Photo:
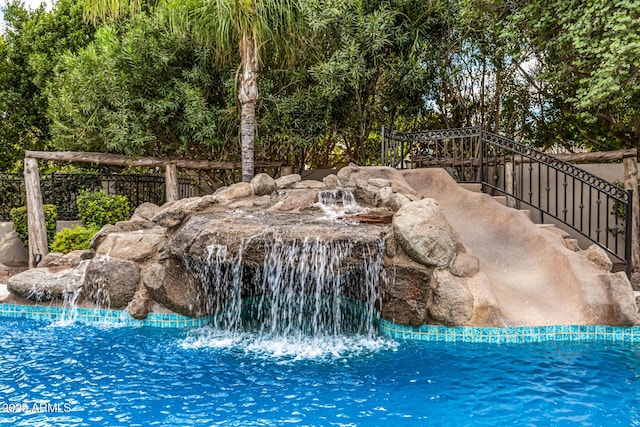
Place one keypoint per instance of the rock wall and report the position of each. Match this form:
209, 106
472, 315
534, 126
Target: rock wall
179, 257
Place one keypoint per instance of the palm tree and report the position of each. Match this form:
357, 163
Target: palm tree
224, 25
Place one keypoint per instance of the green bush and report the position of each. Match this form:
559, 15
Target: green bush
71, 239
19, 218
97, 209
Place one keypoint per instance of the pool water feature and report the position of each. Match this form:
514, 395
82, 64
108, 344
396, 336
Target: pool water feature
339, 203
301, 350
85, 375
291, 344
303, 288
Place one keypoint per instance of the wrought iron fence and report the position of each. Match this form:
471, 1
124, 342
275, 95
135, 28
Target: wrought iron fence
12, 194
61, 189
596, 209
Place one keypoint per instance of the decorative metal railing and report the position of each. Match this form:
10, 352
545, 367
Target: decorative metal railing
596, 209
61, 189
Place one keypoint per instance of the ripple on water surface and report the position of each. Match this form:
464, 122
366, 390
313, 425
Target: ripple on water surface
141, 376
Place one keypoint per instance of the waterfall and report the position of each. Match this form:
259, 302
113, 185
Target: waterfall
302, 288
337, 203
337, 198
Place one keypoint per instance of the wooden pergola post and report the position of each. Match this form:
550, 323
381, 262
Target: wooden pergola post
631, 183
35, 213
171, 182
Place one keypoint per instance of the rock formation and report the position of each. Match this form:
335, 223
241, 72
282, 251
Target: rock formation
431, 265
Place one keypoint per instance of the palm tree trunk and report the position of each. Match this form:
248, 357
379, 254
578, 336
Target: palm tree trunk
248, 96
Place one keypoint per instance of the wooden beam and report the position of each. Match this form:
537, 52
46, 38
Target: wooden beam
119, 160
35, 213
171, 182
596, 157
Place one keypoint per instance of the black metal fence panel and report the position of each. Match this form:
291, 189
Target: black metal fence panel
61, 190
12, 194
595, 208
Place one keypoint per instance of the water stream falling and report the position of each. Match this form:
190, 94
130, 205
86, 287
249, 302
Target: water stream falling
302, 288
336, 198
305, 297
337, 203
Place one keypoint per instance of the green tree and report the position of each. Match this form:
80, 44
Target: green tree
29, 50
237, 31
140, 90
589, 60
359, 68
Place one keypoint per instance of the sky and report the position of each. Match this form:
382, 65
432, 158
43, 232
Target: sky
32, 4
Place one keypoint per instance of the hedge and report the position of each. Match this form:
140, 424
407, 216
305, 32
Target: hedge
20, 225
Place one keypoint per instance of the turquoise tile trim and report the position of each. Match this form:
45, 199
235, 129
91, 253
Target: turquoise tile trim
436, 333
511, 335
156, 320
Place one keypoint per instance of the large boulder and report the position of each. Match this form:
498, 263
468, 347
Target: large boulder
365, 193
70, 260
44, 284
486, 310
137, 246
450, 301
331, 181
425, 235
172, 214
308, 184
236, 191
12, 250
287, 181
404, 294
598, 256
170, 285
396, 201
381, 175
465, 265
623, 303
139, 308
254, 236
111, 282
263, 184
145, 212
297, 199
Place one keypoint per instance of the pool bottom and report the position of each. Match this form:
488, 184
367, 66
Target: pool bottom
433, 333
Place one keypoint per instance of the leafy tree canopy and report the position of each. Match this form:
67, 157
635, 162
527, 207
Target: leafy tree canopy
140, 90
31, 46
589, 54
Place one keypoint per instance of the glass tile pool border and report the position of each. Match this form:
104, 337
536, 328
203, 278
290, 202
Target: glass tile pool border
156, 320
519, 334
436, 333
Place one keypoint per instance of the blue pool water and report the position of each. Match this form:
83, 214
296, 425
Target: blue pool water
78, 374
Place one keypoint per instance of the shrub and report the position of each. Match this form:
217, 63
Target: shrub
97, 209
19, 218
71, 239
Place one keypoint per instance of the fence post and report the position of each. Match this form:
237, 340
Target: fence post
631, 183
383, 160
482, 148
35, 213
509, 184
171, 182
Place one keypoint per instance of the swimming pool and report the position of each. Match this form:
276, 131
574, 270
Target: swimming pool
79, 374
